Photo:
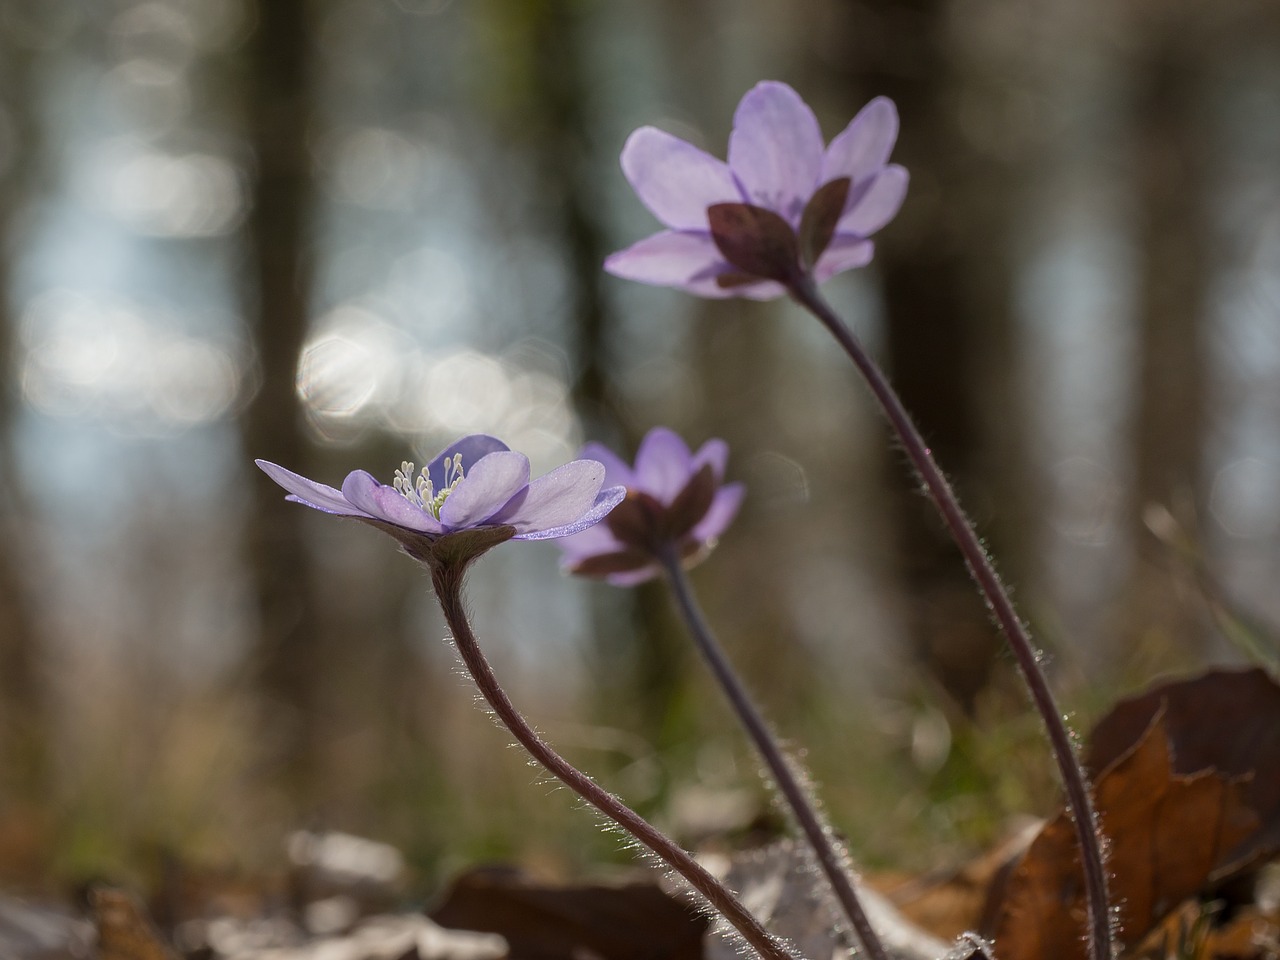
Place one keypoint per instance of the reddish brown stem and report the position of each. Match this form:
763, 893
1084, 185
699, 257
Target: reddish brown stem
831, 861
447, 580
1079, 801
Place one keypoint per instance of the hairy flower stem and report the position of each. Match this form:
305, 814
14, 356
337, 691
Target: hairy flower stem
805, 292
834, 865
447, 580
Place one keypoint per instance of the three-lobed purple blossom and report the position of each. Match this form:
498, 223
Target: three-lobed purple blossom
477, 492
784, 207
677, 506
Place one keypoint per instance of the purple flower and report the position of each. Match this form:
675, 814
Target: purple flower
677, 505
472, 496
783, 207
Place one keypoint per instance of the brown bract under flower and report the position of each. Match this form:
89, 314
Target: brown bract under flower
764, 246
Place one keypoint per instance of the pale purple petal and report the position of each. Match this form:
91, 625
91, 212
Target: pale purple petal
863, 147
559, 498
686, 260
472, 449
663, 464
676, 180
592, 542
724, 507
632, 578
319, 496
617, 472
381, 502
487, 487
878, 205
708, 288
765, 290
714, 452
605, 501
669, 259
844, 253
776, 149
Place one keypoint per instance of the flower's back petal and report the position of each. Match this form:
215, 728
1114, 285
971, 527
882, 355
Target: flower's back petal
594, 541
551, 501
670, 259
663, 464
472, 449
487, 487
316, 495
764, 290
605, 501
674, 179
863, 147
724, 507
844, 253
632, 578
714, 452
878, 205
381, 502
617, 472
776, 149
686, 260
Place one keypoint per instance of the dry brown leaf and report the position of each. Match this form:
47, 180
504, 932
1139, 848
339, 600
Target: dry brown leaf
634, 921
124, 931
947, 904
1196, 930
1224, 720
1167, 832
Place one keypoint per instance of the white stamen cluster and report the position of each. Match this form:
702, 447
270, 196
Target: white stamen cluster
419, 490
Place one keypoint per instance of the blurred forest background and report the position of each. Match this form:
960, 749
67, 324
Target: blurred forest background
340, 233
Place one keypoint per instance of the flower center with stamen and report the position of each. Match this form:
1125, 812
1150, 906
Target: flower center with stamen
419, 490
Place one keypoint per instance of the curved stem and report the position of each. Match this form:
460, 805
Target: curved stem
447, 580
1079, 801
834, 865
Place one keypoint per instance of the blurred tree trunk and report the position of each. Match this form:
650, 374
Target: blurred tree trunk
22, 721
1171, 169
739, 355
946, 270
558, 92
289, 665
635, 652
